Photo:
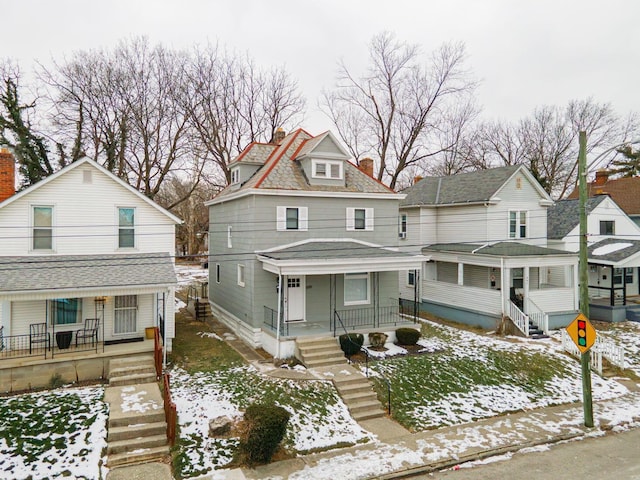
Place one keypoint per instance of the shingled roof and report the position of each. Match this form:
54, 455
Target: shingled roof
463, 188
624, 191
500, 249
565, 215
612, 250
281, 171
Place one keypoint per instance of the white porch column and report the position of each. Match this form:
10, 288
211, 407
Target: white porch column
461, 274
525, 282
5, 315
505, 276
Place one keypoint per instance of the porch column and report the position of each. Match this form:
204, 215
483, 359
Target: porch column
505, 276
461, 274
525, 284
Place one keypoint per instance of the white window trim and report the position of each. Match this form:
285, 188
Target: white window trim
367, 301
218, 272
135, 227
402, 227
327, 175
409, 272
241, 273
518, 224
122, 309
281, 219
235, 175
351, 219
32, 227
229, 236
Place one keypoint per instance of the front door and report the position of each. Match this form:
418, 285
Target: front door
295, 299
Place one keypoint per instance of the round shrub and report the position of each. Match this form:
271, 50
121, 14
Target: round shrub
264, 429
351, 343
407, 336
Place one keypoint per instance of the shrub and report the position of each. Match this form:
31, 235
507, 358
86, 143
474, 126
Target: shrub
407, 336
377, 339
264, 429
350, 343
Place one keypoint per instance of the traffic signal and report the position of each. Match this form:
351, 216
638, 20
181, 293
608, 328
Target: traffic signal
582, 333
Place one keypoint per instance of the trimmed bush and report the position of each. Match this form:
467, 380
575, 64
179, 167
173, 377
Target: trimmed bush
407, 336
350, 343
264, 429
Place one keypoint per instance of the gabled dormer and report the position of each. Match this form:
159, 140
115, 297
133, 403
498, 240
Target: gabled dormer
322, 160
252, 158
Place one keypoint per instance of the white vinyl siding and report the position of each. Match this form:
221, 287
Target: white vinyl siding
42, 233
359, 219
292, 218
126, 227
356, 289
125, 314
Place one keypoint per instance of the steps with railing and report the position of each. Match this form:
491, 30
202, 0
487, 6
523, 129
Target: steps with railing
533, 325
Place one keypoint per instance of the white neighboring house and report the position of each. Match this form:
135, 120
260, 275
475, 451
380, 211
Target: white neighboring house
613, 253
486, 235
82, 244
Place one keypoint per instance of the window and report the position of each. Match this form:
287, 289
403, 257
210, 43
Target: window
125, 314
65, 311
617, 276
292, 218
607, 227
217, 273
518, 224
359, 219
229, 242
402, 230
411, 278
42, 228
126, 227
517, 277
356, 288
241, 275
326, 169
628, 273
235, 175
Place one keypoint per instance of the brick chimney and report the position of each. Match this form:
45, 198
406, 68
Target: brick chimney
602, 176
366, 166
278, 136
7, 174
416, 179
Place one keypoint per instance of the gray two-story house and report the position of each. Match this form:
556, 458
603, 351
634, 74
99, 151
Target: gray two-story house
303, 242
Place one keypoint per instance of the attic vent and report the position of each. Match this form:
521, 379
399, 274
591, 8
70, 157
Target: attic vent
518, 183
86, 176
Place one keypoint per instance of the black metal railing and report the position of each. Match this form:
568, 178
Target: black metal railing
58, 343
271, 321
337, 320
617, 295
373, 317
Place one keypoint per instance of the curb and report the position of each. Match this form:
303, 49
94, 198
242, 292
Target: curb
452, 462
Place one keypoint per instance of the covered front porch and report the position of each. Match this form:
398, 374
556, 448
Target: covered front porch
522, 282
331, 287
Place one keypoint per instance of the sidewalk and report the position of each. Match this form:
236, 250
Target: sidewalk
432, 450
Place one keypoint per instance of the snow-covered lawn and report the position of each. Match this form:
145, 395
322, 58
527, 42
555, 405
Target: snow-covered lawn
189, 274
319, 418
627, 335
469, 376
54, 434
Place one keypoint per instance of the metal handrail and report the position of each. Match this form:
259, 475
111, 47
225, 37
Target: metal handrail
336, 316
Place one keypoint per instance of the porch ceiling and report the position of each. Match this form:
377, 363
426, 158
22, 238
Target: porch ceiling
55, 275
335, 257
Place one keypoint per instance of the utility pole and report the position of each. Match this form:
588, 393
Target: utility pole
584, 277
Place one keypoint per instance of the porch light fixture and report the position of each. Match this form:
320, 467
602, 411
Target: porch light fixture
100, 300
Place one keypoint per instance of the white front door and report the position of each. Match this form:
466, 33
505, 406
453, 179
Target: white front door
295, 299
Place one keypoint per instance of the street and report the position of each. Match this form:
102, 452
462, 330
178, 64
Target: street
613, 456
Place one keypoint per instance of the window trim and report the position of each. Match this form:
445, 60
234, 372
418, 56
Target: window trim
241, 277
411, 282
402, 227
235, 176
281, 218
327, 169
117, 309
133, 227
605, 223
229, 236
217, 273
357, 276
368, 219
53, 316
34, 227
518, 224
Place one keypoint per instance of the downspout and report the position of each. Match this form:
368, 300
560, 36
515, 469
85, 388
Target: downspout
164, 333
279, 313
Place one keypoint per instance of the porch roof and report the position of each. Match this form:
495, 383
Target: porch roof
62, 274
616, 252
320, 257
500, 249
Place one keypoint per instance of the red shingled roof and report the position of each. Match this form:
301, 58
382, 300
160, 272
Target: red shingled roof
624, 191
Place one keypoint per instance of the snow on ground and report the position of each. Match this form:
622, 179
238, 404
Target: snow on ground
189, 274
53, 434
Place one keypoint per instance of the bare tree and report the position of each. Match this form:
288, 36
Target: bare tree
396, 110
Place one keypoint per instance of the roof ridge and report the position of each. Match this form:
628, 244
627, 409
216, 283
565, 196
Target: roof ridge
277, 159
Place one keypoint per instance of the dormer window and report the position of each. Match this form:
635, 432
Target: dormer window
235, 176
327, 169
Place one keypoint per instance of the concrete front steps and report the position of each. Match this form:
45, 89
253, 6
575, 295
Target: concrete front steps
135, 435
318, 352
358, 395
132, 370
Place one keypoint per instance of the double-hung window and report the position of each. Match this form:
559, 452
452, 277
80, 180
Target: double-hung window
518, 224
42, 228
607, 227
359, 219
126, 227
402, 227
356, 289
292, 218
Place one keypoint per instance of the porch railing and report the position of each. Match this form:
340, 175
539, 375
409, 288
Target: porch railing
612, 352
22, 346
572, 349
373, 317
157, 352
271, 321
170, 410
616, 295
539, 318
519, 318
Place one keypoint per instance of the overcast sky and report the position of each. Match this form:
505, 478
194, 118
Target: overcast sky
525, 53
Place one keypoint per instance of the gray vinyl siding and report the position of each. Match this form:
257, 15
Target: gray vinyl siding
318, 306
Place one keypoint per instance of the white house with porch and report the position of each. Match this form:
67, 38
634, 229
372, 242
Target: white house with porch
485, 233
86, 262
